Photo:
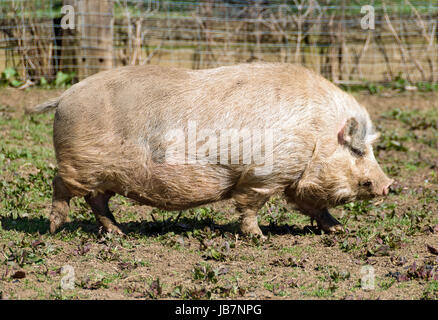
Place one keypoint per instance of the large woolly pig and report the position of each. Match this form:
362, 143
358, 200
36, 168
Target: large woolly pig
176, 139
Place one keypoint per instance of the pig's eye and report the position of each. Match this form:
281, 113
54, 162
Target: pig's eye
367, 183
357, 152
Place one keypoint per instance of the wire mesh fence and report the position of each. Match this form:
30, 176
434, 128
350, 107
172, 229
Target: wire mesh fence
346, 41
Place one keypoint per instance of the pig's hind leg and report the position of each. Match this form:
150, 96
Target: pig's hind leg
326, 221
60, 204
104, 217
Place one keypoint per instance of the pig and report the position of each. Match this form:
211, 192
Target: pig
113, 131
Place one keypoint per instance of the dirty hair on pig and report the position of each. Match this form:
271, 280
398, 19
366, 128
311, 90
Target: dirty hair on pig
110, 138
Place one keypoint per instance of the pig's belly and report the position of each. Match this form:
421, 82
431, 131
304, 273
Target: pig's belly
180, 187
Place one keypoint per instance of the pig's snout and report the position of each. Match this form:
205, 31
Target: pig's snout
377, 187
383, 188
386, 188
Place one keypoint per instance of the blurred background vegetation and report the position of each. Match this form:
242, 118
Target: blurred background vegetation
324, 35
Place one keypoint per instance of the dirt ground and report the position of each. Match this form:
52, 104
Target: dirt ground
389, 249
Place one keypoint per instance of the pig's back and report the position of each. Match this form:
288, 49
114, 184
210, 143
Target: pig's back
243, 95
143, 103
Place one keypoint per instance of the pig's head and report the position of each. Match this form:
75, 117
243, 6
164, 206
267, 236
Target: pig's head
348, 173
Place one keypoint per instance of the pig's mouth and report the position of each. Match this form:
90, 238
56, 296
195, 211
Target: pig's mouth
368, 196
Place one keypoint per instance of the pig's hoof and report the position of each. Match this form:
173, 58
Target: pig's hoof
334, 228
329, 224
250, 227
56, 221
117, 231
255, 234
111, 228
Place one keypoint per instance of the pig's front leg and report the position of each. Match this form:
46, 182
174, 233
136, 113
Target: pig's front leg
248, 222
248, 204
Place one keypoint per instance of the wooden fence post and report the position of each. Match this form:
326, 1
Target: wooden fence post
95, 26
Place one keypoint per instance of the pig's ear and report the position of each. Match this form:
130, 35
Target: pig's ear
351, 136
348, 131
